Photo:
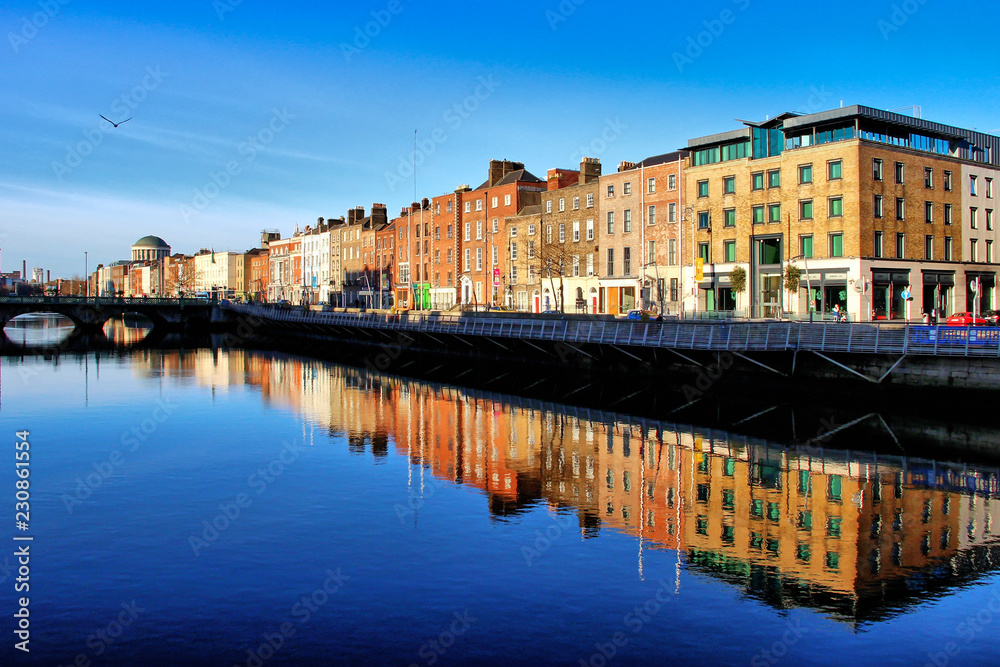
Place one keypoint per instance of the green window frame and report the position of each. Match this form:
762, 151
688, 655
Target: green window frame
803, 553
773, 512
702, 188
729, 217
729, 467
805, 173
833, 526
836, 245
832, 560
774, 212
806, 209
757, 181
834, 486
728, 185
774, 179
758, 215
728, 499
836, 207
805, 521
806, 246
835, 170
756, 509
729, 248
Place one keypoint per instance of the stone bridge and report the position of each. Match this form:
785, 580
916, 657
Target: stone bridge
92, 313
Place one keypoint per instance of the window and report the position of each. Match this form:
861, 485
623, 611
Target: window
876, 169
449, 208
590, 263
513, 275
672, 254
576, 265
468, 231
562, 232
728, 185
576, 203
627, 221
590, 200
877, 245
479, 230
947, 179
506, 200
973, 181
836, 245
548, 206
531, 249
468, 259
548, 233
989, 188
495, 202
758, 215
900, 245
496, 226
611, 191
929, 177
671, 182
651, 252
774, 212
611, 222
729, 251
651, 215
562, 204
611, 261
479, 204
703, 252
836, 207
479, 259
513, 232
627, 188
835, 170
590, 229
929, 246
900, 208
774, 179
757, 181
989, 219
929, 211
947, 248
513, 251
973, 250
650, 185
449, 234
806, 246
805, 173
900, 172
989, 251
671, 212
806, 209
703, 220
468, 206
729, 217
627, 261
877, 206
576, 231
702, 188
973, 217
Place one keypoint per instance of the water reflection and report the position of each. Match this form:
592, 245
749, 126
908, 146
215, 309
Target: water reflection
39, 329
857, 535
128, 329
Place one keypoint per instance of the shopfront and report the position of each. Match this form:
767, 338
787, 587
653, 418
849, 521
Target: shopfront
939, 289
887, 288
979, 295
821, 290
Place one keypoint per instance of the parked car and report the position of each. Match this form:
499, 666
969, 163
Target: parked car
964, 320
551, 312
283, 303
638, 315
992, 317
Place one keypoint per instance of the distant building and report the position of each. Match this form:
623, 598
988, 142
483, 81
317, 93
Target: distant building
150, 248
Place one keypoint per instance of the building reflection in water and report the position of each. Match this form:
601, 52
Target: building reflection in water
857, 535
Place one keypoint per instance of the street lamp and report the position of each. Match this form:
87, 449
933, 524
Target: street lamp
809, 299
86, 271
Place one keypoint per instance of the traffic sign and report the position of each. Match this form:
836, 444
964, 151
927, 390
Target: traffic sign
699, 269
905, 295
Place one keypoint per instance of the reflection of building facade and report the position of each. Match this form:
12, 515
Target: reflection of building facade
853, 536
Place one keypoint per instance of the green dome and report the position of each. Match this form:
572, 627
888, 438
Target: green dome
151, 242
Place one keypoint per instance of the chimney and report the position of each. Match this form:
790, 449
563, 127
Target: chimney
48, 275
24, 268
590, 169
425, 203
496, 172
562, 178
510, 167
379, 215
355, 215
414, 207
625, 166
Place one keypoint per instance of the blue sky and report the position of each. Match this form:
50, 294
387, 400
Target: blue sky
251, 115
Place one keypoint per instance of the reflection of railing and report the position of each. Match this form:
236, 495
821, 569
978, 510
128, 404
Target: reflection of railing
860, 338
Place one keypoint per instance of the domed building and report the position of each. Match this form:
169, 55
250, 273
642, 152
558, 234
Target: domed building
150, 248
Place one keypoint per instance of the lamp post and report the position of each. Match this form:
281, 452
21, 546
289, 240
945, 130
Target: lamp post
86, 271
809, 299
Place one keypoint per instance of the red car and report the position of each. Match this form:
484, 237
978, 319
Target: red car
965, 319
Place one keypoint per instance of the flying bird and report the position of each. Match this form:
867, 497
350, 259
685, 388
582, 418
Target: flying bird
113, 122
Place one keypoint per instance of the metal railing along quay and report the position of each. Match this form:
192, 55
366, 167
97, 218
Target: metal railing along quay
858, 338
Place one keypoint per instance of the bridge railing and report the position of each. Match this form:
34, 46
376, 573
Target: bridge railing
102, 301
858, 338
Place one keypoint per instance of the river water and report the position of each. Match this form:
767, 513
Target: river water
232, 507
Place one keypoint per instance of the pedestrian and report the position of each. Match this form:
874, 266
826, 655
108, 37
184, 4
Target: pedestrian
836, 312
